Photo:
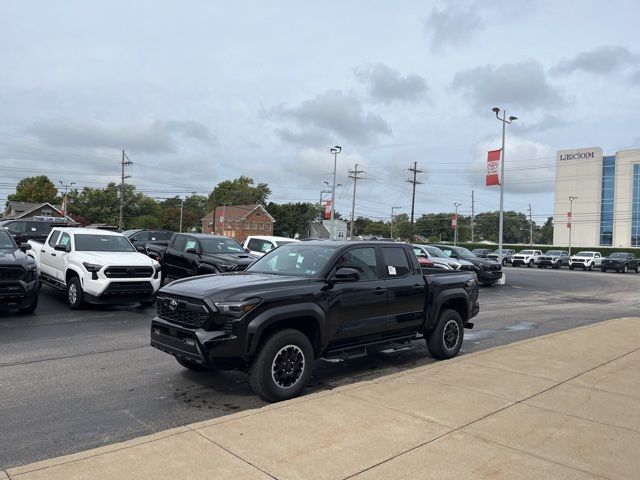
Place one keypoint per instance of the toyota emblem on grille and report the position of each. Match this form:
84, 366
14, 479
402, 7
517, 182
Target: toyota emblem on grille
173, 305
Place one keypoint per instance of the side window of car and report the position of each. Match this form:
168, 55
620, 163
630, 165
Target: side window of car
54, 238
16, 227
141, 236
267, 246
396, 261
179, 243
255, 245
362, 259
65, 240
191, 243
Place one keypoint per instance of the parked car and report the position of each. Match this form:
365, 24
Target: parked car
526, 257
620, 262
27, 229
554, 259
189, 254
307, 300
488, 272
259, 245
507, 256
481, 252
439, 257
96, 266
585, 260
140, 238
19, 286
105, 226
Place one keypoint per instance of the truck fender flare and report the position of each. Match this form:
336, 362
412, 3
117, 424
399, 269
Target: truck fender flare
258, 325
207, 269
77, 271
455, 293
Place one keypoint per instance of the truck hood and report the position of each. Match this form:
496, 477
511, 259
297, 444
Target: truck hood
223, 286
128, 259
13, 258
229, 258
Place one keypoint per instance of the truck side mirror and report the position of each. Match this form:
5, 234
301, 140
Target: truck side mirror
25, 246
193, 251
61, 248
346, 274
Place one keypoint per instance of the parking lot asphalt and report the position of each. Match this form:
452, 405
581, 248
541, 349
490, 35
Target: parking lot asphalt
73, 380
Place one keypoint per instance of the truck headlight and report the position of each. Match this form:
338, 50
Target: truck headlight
157, 269
92, 268
237, 309
226, 268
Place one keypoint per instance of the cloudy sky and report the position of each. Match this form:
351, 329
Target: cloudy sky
202, 91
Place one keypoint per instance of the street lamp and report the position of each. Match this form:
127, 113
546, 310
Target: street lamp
455, 232
334, 151
571, 199
504, 121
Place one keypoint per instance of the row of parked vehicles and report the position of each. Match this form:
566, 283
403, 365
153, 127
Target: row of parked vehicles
271, 315
586, 260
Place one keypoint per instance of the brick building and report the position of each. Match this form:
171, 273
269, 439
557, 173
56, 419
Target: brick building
28, 211
239, 221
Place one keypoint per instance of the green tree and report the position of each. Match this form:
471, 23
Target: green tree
240, 191
516, 227
292, 218
37, 189
546, 232
379, 229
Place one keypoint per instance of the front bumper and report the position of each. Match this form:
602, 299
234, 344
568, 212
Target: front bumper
117, 291
18, 294
548, 263
215, 348
489, 276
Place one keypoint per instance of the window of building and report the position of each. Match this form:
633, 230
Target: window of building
607, 200
635, 207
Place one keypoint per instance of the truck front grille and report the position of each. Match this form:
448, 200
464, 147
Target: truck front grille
188, 312
128, 272
128, 288
11, 273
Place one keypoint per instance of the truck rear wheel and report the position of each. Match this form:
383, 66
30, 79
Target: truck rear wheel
446, 339
75, 294
282, 367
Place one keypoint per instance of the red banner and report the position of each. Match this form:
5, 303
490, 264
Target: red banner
568, 219
454, 222
493, 168
327, 210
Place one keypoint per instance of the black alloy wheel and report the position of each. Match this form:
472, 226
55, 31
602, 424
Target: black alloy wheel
446, 338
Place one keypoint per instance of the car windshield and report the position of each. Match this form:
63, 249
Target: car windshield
295, 259
464, 253
220, 245
128, 233
527, 252
102, 243
584, 254
618, 255
6, 242
504, 252
554, 253
435, 252
480, 250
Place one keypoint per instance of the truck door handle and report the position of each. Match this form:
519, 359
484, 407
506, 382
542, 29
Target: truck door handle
379, 291
41, 251
53, 254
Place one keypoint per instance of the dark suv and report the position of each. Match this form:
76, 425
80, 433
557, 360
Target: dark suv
143, 236
27, 229
19, 286
488, 271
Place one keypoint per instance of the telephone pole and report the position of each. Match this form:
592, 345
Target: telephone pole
455, 232
530, 227
354, 175
334, 151
64, 201
473, 217
123, 177
414, 182
392, 210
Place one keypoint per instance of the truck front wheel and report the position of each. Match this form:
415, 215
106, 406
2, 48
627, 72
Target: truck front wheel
446, 339
282, 367
75, 294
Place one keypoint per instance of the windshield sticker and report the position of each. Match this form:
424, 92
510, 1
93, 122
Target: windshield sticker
392, 270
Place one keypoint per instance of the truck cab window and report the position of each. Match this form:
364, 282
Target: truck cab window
361, 259
396, 261
53, 239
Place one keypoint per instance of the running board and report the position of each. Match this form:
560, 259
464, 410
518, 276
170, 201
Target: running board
386, 346
52, 282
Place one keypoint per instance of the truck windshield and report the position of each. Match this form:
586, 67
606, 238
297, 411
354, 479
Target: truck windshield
295, 259
554, 253
6, 242
584, 254
220, 245
102, 243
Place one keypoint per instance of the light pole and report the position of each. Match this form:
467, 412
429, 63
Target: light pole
571, 199
334, 151
455, 232
392, 210
504, 121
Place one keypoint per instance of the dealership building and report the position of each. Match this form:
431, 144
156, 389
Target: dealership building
597, 198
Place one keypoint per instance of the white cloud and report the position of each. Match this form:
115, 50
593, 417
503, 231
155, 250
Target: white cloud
601, 60
387, 85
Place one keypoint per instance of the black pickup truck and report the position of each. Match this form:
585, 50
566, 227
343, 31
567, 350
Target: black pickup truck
307, 300
189, 254
19, 285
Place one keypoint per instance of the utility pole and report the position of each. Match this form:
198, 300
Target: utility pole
530, 227
473, 217
64, 201
414, 182
354, 175
455, 232
334, 151
213, 224
392, 215
123, 177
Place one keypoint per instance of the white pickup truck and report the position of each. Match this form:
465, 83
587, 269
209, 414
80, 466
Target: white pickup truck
526, 257
96, 266
585, 260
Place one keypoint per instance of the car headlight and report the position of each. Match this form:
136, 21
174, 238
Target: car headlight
31, 274
157, 269
226, 268
93, 269
237, 310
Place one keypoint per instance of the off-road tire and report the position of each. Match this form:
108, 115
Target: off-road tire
530, 264
446, 339
191, 365
75, 294
625, 269
603, 270
571, 267
285, 356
